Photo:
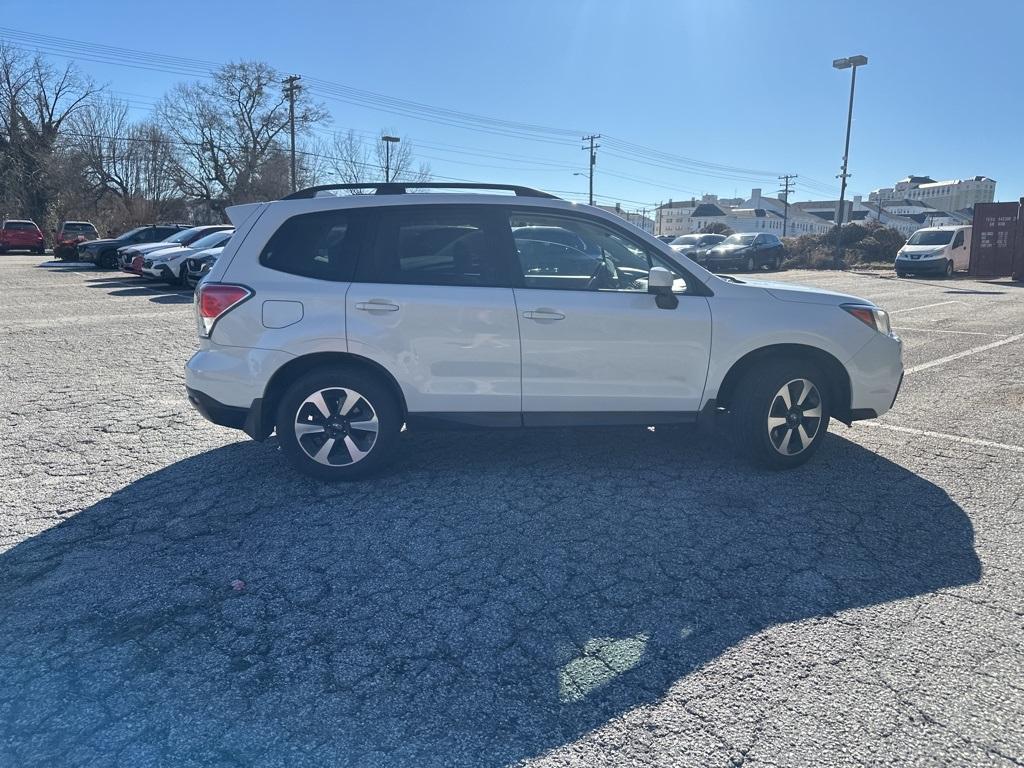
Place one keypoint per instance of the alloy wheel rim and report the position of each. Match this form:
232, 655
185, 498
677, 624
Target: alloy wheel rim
336, 426
794, 417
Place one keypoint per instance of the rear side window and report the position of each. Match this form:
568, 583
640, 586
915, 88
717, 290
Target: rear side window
324, 245
437, 246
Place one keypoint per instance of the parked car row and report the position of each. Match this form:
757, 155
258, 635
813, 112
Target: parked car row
749, 251
168, 259
25, 235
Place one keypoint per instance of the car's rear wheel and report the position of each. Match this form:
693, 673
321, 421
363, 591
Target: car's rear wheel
779, 413
338, 423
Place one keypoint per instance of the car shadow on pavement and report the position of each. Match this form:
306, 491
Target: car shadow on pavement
491, 597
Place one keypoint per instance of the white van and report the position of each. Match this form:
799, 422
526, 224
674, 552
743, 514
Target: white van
935, 251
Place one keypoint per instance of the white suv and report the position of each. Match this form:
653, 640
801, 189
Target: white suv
334, 320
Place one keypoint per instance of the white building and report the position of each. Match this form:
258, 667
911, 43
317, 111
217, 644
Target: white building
950, 195
755, 214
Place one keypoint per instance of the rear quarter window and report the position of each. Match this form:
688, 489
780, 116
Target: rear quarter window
324, 245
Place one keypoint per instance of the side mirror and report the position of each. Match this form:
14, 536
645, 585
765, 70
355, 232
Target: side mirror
659, 282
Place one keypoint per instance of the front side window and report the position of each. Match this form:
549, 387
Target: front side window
600, 258
959, 239
436, 246
323, 245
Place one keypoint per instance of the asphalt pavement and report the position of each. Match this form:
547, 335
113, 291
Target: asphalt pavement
171, 593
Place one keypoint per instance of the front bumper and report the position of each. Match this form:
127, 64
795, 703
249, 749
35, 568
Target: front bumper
876, 373
921, 266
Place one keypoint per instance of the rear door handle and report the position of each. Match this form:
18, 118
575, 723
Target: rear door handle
543, 314
376, 305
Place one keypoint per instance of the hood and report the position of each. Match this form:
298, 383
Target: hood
209, 253
922, 248
103, 241
170, 253
150, 247
730, 247
803, 294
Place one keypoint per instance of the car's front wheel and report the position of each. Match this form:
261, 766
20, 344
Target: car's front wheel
338, 423
751, 264
779, 413
949, 269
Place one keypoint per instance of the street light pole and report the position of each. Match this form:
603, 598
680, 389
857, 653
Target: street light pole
388, 141
851, 62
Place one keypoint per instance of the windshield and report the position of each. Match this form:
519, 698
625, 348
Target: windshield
930, 237
738, 240
212, 240
180, 237
686, 240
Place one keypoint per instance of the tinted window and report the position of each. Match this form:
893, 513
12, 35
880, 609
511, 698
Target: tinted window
430, 246
20, 226
79, 228
604, 257
322, 245
959, 239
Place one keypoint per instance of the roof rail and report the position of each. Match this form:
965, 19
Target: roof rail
401, 187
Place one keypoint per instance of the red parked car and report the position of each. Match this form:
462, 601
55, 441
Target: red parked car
69, 235
21, 235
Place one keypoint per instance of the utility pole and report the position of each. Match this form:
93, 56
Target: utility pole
850, 62
593, 161
786, 189
659, 217
291, 90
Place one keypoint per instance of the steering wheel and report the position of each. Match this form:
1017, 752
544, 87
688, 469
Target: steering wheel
605, 275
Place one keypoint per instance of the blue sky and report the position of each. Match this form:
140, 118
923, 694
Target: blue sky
742, 84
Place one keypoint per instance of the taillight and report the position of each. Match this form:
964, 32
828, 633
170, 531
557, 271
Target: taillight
215, 300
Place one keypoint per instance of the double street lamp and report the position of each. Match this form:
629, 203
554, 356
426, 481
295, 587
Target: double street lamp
388, 141
850, 62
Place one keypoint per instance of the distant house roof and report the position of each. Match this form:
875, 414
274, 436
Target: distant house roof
916, 180
678, 204
707, 209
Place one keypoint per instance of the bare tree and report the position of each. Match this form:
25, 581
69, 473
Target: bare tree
230, 133
353, 161
130, 161
37, 101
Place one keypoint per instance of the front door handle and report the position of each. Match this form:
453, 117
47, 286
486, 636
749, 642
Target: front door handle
377, 305
543, 314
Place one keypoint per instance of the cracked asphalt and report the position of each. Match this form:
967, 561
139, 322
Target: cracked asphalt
171, 594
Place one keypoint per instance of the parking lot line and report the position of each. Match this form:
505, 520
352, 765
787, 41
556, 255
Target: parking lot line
964, 353
943, 436
926, 306
944, 330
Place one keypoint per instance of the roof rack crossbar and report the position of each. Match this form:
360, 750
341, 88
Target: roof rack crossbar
401, 187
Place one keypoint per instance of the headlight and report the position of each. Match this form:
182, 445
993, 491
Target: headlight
876, 318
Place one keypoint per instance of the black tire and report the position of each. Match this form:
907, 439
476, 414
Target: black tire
106, 260
40, 251
777, 264
949, 269
901, 274
757, 398
376, 398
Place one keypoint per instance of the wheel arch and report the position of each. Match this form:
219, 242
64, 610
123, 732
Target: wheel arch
299, 366
836, 373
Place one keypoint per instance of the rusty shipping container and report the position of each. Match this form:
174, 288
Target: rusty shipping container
997, 241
